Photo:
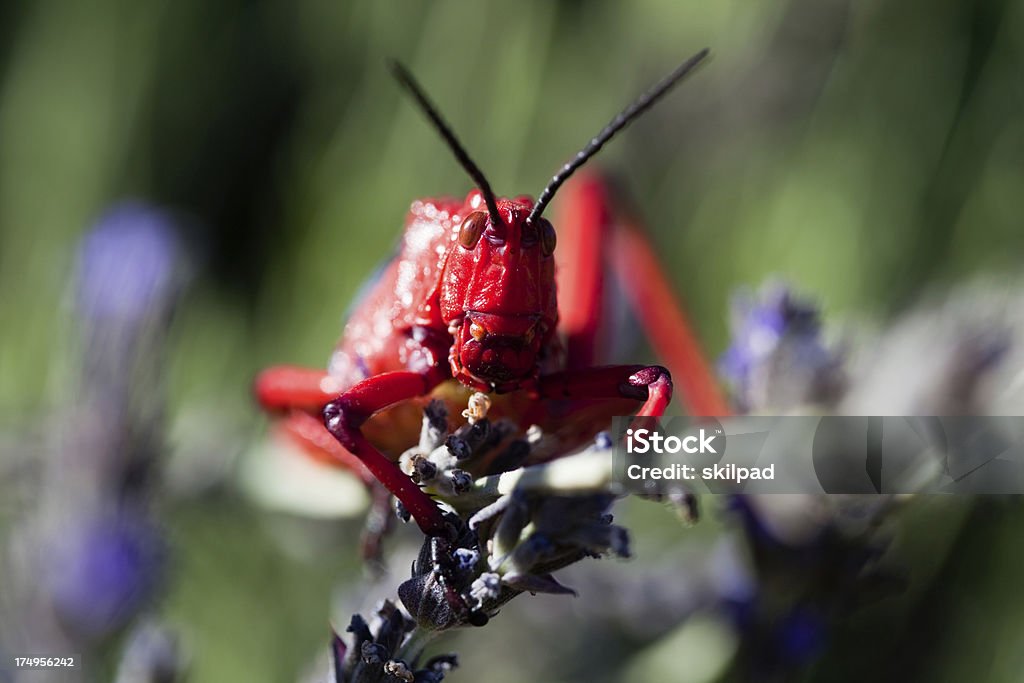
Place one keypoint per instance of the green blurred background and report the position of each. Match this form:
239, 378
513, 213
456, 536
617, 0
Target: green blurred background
860, 150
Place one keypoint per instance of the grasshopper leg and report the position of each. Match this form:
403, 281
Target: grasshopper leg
344, 417
651, 384
598, 232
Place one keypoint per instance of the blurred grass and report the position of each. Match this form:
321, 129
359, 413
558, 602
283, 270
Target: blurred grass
247, 610
859, 150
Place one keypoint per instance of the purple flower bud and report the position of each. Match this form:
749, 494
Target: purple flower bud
461, 481
466, 558
777, 357
103, 572
486, 587
127, 264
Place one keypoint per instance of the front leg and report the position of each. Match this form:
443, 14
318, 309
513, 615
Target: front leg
594, 230
651, 384
344, 418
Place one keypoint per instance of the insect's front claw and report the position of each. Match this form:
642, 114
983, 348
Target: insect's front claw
640, 383
339, 423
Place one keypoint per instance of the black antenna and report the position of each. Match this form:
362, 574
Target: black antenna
623, 119
405, 78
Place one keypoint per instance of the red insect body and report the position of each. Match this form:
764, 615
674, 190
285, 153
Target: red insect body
502, 291
471, 297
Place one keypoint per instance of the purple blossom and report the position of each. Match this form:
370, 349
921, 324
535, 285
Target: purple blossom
777, 357
127, 264
101, 573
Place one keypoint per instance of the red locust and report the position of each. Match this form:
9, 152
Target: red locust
475, 300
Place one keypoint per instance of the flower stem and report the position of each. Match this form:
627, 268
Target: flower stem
414, 644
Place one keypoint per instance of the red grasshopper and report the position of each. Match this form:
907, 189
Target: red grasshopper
471, 297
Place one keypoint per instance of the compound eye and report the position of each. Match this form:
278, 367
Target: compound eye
547, 237
472, 228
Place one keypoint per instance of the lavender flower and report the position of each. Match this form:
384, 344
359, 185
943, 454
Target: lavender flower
128, 265
512, 529
777, 357
827, 548
103, 571
89, 557
829, 553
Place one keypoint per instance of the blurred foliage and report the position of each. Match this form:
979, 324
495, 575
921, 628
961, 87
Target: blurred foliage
860, 150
